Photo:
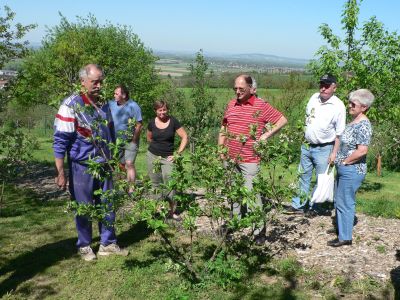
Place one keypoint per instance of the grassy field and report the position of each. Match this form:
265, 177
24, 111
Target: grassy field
38, 261
223, 95
43, 264
38, 256
378, 196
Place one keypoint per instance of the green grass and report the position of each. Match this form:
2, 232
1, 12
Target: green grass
45, 151
380, 196
223, 95
38, 260
38, 256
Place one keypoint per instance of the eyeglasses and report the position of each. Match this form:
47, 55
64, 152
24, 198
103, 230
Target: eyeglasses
239, 89
352, 104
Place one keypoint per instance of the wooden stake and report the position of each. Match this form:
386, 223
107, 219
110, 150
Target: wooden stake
379, 166
1, 196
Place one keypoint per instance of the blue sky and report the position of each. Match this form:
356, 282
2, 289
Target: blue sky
279, 27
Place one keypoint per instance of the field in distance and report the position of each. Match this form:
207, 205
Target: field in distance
177, 64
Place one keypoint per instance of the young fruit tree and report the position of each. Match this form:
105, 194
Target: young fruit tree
367, 56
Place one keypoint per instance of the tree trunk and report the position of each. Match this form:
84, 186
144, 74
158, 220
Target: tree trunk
379, 165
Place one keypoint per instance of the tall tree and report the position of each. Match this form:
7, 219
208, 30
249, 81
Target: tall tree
367, 57
51, 73
11, 45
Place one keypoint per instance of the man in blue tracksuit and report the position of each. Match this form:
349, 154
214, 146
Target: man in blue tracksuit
82, 129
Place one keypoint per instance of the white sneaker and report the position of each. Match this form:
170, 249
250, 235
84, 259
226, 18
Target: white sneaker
87, 253
112, 249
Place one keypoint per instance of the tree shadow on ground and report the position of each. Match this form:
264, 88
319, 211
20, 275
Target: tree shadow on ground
395, 278
279, 234
134, 234
274, 291
28, 265
156, 256
258, 264
368, 186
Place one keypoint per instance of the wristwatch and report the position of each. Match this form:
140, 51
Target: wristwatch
344, 163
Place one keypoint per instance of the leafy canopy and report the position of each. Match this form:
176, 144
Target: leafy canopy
366, 57
51, 73
10, 45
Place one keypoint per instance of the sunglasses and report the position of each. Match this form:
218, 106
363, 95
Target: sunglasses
239, 89
353, 104
325, 85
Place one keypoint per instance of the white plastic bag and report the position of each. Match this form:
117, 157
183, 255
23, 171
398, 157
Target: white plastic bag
325, 187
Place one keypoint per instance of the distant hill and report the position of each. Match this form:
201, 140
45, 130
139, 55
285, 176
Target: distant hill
264, 60
268, 59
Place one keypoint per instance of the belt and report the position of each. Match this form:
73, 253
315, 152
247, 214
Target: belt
322, 145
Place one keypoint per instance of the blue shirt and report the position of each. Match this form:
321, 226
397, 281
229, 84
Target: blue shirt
122, 113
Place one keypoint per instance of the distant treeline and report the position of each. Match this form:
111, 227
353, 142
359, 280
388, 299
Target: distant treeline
264, 80
222, 79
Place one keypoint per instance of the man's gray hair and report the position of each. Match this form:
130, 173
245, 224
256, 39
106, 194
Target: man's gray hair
86, 70
363, 96
254, 82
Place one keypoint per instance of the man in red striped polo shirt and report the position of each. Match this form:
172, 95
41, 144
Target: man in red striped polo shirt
243, 125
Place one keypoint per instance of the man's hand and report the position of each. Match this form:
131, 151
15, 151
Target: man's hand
222, 151
61, 181
265, 136
331, 159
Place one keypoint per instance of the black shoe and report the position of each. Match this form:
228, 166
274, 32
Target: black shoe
333, 231
325, 212
259, 240
338, 243
311, 214
293, 211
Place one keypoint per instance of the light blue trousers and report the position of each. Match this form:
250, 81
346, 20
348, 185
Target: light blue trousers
348, 182
311, 157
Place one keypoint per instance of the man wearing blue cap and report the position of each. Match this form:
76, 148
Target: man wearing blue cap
325, 122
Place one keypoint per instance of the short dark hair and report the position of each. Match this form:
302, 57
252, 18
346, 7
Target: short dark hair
247, 78
160, 103
124, 90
